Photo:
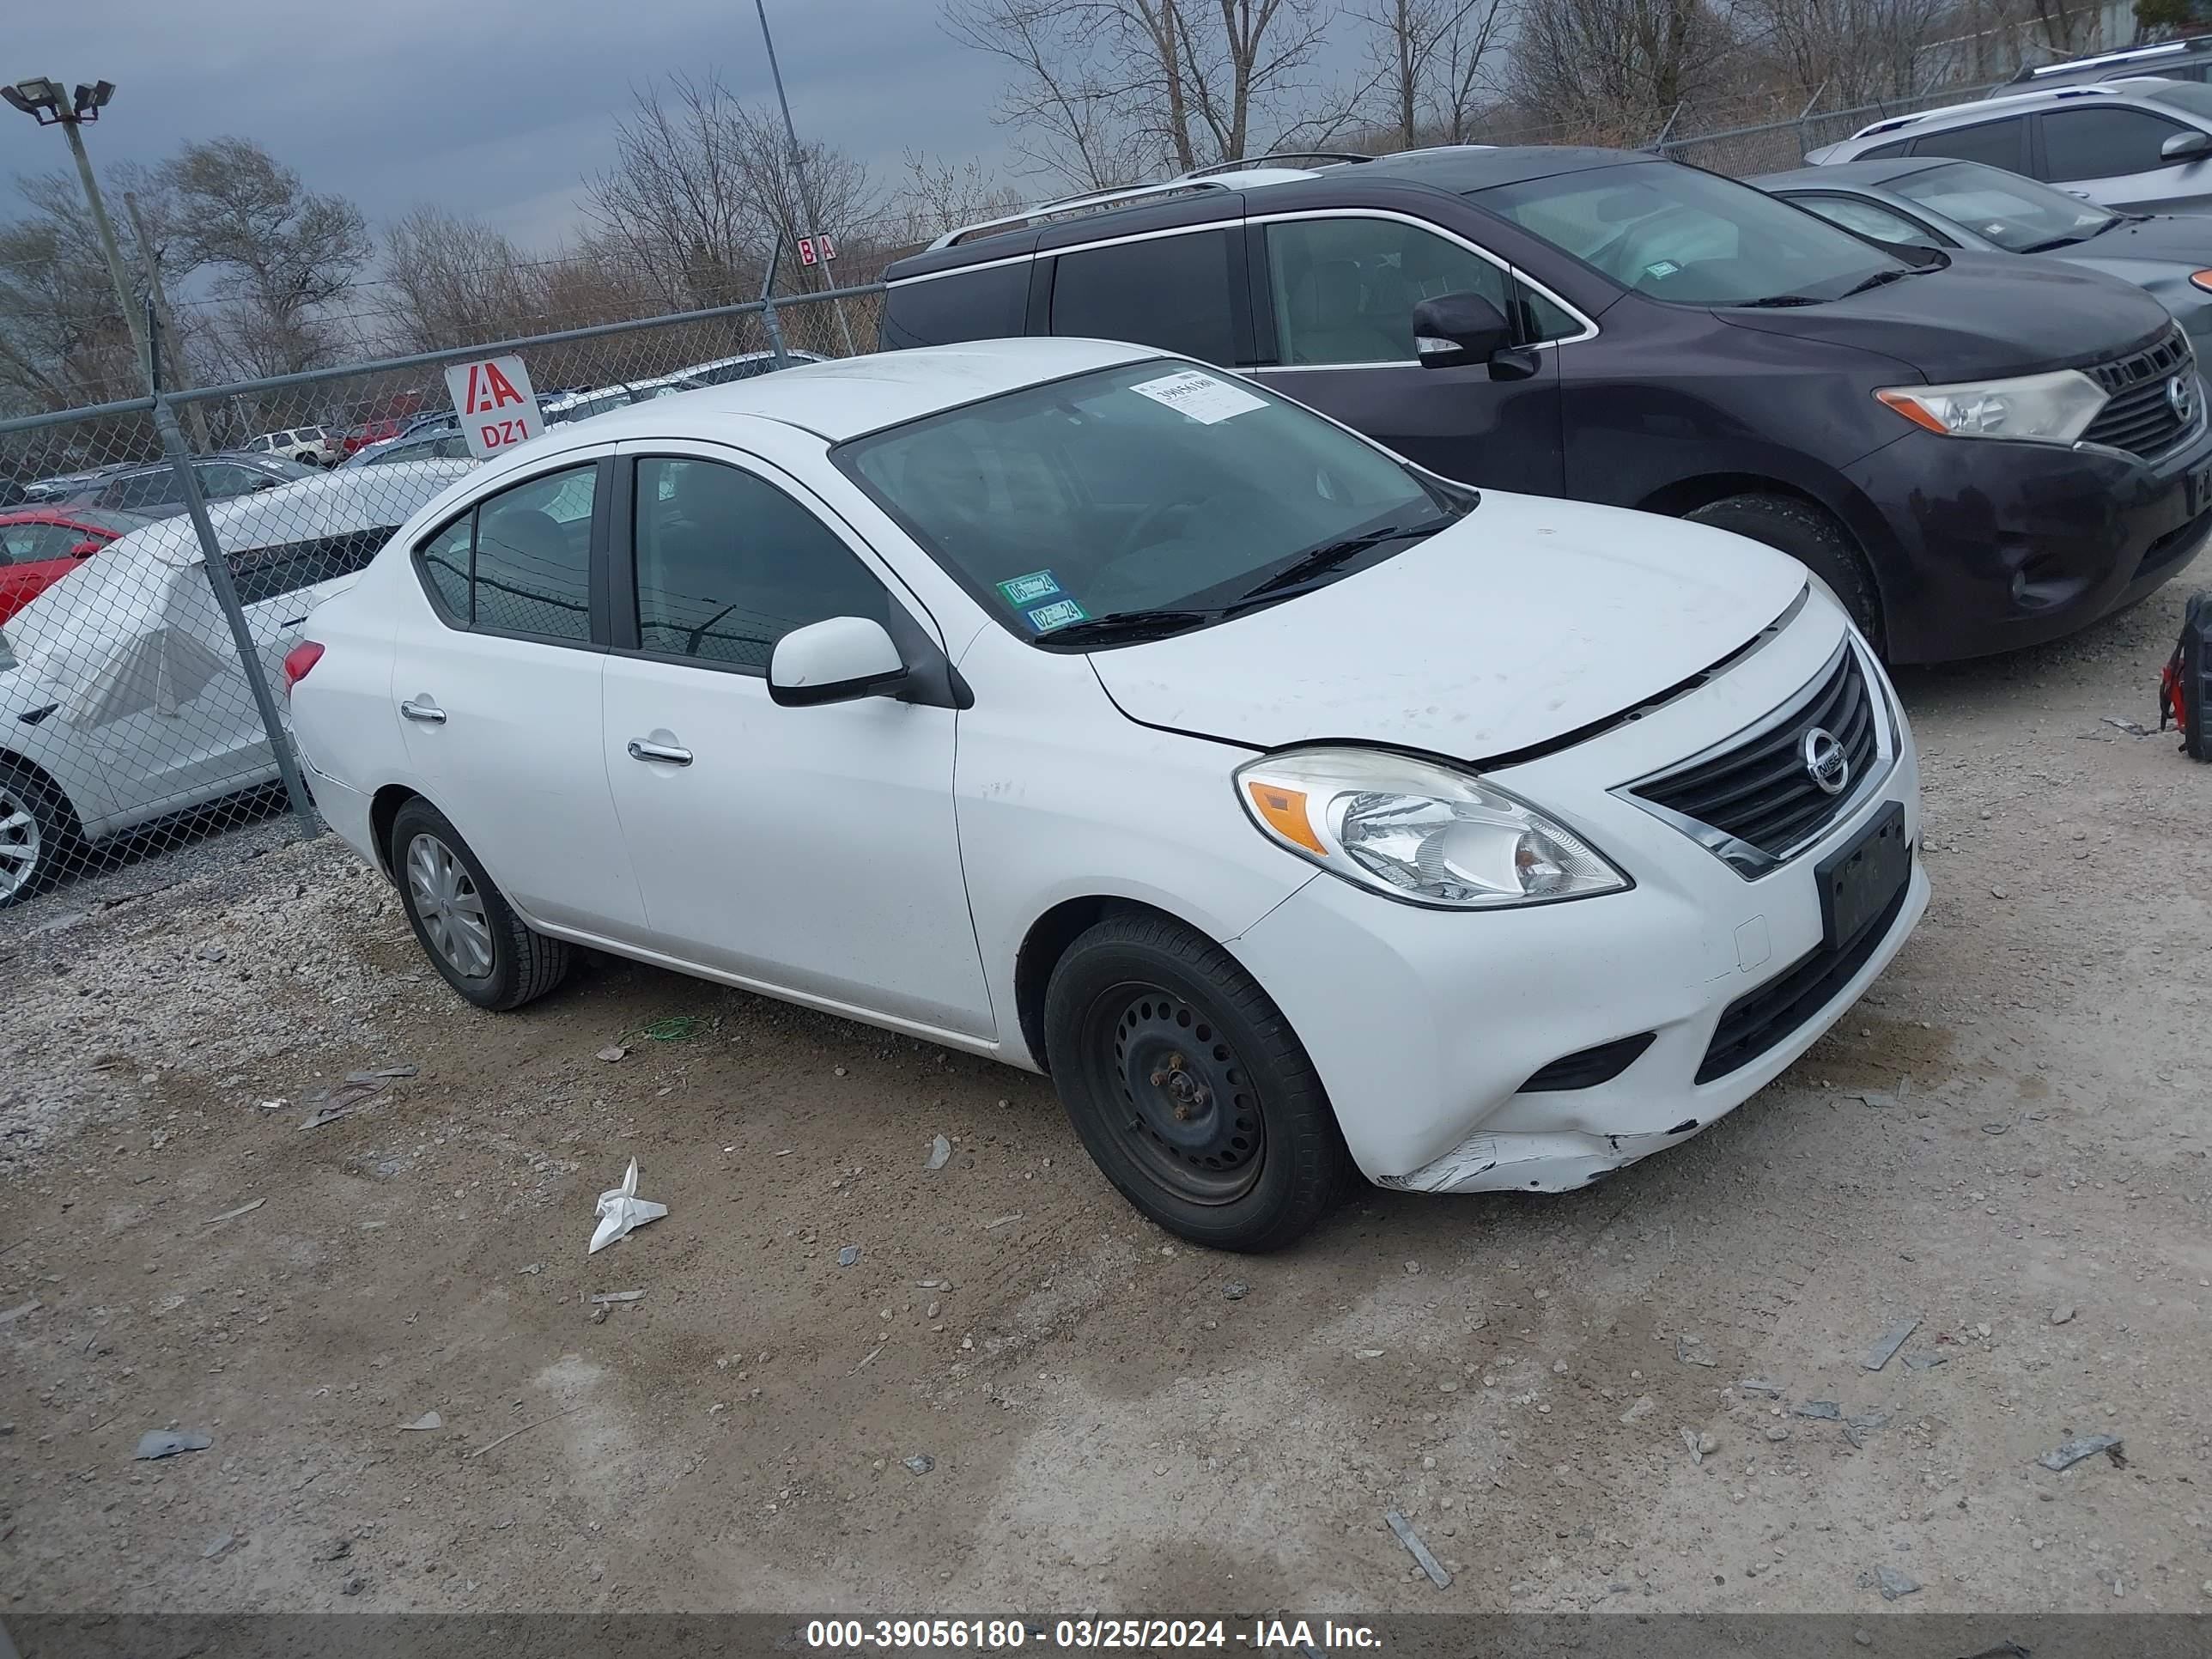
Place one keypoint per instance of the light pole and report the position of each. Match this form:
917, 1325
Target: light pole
806, 203
41, 98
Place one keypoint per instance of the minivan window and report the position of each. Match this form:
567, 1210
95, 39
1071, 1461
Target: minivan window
1171, 291
1345, 289
1997, 144
1160, 494
970, 305
2017, 213
1675, 233
2103, 140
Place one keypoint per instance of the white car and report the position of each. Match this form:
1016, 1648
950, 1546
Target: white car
312, 446
122, 698
1107, 714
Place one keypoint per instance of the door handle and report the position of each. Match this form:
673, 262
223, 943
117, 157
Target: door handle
641, 751
425, 709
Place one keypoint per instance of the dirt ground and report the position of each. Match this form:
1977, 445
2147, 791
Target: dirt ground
2006, 1142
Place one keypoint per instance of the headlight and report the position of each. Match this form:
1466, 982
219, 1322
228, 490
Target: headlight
2054, 409
2202, 279
1417, 830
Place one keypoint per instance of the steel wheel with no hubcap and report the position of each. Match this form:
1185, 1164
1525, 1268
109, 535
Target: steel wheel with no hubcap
1191, 1119
450, 908
21, 844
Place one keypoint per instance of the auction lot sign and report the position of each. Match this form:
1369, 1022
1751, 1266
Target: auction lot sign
497, 407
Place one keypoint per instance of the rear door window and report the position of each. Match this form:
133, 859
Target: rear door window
1170, 291
521, 563
2104, 142
1999, 143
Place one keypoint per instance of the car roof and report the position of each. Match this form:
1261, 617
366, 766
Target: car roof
1464, 167
326, 504
845, 397
2127, 88
1878, 172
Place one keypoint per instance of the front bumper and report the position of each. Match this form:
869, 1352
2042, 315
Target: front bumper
2001, 546
1426, 1025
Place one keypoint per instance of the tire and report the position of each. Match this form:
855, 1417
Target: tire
37, 833
463, 921
1808, 535
1189, 1089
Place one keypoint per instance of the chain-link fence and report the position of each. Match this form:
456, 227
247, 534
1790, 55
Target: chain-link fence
1775, 146
159, 555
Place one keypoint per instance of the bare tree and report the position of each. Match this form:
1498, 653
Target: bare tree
277, 252
1616, 68
1858, 50
1104, 92
703, 187
456, 281
936, 197
1431, 58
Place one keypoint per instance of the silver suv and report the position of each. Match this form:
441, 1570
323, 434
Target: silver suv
2140, 144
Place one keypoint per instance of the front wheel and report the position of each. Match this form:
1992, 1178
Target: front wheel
463, 922
1808, 534
36, 832
1189, 1087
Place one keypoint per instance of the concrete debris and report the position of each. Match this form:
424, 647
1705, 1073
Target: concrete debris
1760, 1385
2081, 1446
1926, 1362
1827, 1410
940, 1153
1236, 1290
2063, 1315
219, 1546
612, 1052
161, 1443
1891, 1339
921, 1462
424, 1423
1411, 1540
1645, 1406
601, 1298
849, 1255
21, 1310
1691, 1350
1889, 1580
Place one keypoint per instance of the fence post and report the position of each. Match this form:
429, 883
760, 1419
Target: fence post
768, 306
226, 596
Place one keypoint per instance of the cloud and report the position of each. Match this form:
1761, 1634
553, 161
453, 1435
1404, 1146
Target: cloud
500, 108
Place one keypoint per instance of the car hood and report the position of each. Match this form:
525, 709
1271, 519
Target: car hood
1982, 316
2144, 250
1529, 619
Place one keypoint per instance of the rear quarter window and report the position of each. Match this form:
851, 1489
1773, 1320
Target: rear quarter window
968, 305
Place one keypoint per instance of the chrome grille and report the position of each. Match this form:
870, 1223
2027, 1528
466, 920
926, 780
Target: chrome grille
2141, 417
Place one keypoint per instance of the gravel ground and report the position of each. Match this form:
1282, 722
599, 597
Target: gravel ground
2004, 1144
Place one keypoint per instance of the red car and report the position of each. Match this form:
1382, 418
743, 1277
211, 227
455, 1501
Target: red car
39, 545
374, 433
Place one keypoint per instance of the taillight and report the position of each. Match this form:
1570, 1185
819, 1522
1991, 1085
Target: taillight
299, 661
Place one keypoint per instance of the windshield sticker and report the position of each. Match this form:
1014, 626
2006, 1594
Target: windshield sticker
1661, 268
1200, 396
1027, 590
1046, 617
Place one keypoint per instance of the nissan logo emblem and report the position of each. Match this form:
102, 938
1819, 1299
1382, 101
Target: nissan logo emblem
1826, 762
2181, 399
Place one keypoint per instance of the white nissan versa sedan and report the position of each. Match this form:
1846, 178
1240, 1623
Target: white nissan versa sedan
1297, 811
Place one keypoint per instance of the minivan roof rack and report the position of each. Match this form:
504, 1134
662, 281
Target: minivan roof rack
1322, 157
1100, 201
1891, 123
2131, 55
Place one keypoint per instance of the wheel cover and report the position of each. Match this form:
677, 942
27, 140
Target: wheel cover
21, 844
1188, 1111
450, 910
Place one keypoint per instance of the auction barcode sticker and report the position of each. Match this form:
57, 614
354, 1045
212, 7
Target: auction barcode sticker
1200, 396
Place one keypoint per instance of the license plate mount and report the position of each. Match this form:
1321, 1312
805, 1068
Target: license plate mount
2196, 489
1857, 882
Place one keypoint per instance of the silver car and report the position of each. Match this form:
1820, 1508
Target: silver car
121, 689
2142, 144
1928, 202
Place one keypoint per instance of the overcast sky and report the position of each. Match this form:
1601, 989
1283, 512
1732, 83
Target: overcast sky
494, 108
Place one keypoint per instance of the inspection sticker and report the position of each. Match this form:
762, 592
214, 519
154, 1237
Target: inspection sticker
1200, 396
1662, 269
1046, 617
1027, 590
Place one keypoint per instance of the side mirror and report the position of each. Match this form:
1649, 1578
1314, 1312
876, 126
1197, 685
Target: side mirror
85, 549
834, 661
1457, 329
2186, 147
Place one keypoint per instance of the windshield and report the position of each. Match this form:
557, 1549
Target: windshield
2188, 96
1679, 234
284, 467
2017, 213
1151, 487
